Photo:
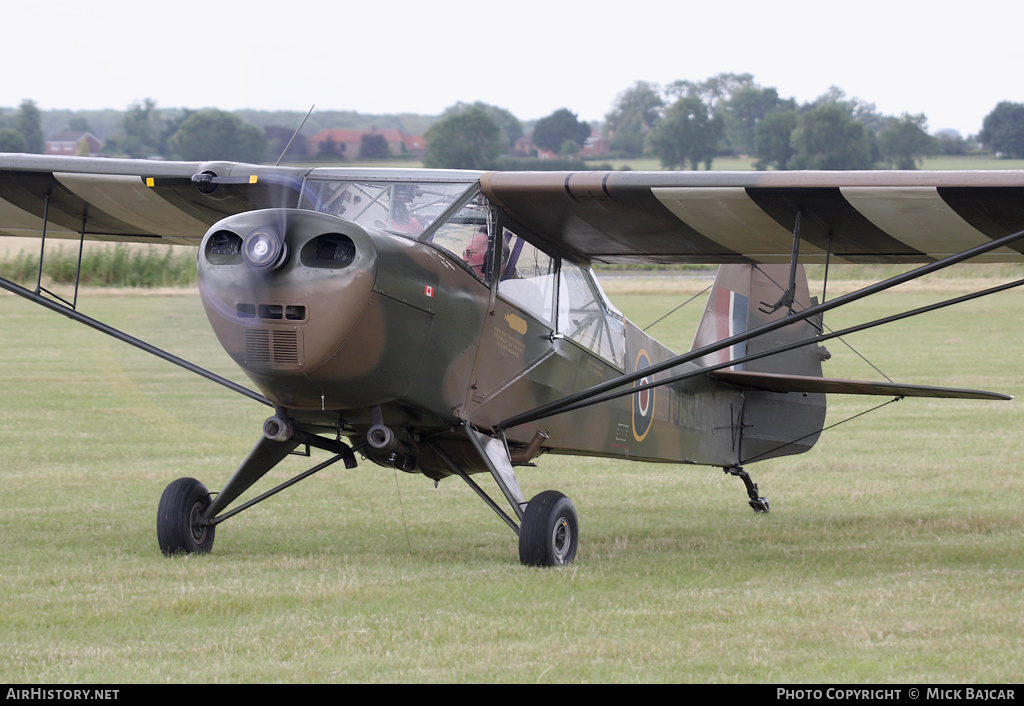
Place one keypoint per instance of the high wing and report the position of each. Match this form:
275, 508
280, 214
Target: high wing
661, 217
750, 217
151, 201
133, 200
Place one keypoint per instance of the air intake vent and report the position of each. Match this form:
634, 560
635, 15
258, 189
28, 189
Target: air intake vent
280, 348
257, 345
286, 347
331, 250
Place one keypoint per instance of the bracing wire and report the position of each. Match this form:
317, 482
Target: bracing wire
679, 307
798, 307
820, 431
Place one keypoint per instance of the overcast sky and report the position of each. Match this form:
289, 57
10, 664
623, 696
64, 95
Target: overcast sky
951, 61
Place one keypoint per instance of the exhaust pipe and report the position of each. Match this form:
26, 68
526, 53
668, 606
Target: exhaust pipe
526, 455
277, 429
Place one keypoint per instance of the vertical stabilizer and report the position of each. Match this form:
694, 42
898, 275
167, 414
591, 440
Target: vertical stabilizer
747, 296
741, 299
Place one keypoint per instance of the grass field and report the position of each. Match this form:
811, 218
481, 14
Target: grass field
892, 554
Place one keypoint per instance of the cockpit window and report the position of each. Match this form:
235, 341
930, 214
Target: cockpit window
586, 316
402, 207
468, 235
528, 276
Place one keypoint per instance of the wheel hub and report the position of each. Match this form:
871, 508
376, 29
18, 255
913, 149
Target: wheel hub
197, 526
561, 539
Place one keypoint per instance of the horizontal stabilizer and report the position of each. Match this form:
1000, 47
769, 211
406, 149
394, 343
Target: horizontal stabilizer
773, 382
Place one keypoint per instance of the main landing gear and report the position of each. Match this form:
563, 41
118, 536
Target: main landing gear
550, 531
179, 524
188, 515
549, 528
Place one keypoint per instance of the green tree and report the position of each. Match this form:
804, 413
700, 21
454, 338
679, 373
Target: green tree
569, 149
78, 124
467, 140
509, 125
555, 130
278, 137
772, 140
373, 146
12, 140
636, 110
687, 133
139, 136
904, 142
828, 137
329, 148
1003, 130
630, 136
169, 123
860, 110
711, 91
951, 143
744, 109
29, 123
215, 134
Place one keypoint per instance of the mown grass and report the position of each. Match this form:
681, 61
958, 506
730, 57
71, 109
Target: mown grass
892, 553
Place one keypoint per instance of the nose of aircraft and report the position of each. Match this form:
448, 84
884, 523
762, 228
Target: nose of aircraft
283, 289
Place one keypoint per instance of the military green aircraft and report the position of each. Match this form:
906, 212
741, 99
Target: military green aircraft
448, 323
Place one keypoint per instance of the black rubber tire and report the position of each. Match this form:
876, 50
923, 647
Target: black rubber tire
181, 504
550, 532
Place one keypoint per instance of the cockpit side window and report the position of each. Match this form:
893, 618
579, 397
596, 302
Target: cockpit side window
586, 316
528, 276
468, 234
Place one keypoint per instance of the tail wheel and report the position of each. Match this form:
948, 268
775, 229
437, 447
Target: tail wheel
549, 534
178, 527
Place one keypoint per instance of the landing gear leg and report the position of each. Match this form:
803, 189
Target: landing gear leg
188, 514
757, 503
549, 531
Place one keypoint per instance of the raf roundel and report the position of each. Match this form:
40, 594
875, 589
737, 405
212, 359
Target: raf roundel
643, 401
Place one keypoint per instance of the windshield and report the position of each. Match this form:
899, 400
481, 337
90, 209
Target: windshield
402, 207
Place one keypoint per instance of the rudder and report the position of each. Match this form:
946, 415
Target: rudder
741, 299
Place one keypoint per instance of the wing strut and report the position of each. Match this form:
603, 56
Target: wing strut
71, 313
789, 296
590, 396
69, 309
42, 255
891, 389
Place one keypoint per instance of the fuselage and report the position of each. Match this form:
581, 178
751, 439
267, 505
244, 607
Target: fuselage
344, 325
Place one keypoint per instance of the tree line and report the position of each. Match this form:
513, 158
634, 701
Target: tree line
688, 124
684, 125
145, 133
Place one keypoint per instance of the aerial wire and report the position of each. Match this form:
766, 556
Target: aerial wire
296, 134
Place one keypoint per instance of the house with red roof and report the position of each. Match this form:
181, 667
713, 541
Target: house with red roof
83, 144
348, 144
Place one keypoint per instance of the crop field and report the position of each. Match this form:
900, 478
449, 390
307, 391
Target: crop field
893, 552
